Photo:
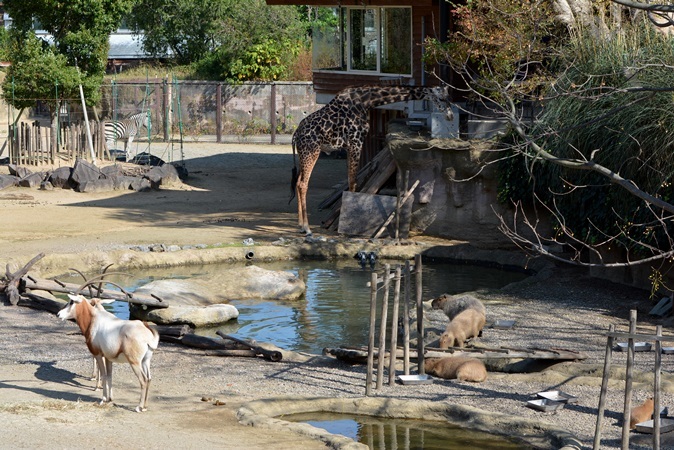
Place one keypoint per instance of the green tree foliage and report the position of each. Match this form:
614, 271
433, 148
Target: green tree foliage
619, 116
224, 39
80, 31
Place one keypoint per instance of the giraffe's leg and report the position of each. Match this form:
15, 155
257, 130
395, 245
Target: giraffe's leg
307, 163
352, 160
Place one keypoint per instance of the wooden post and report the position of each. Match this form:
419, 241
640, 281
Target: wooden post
406, 320
370, 344
656, 389
394, 329
218, 113
420, 315
272, 113
628, 382
382, 328
604, 388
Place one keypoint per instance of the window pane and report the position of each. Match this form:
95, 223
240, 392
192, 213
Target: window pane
326, 41
364, 43
396, 50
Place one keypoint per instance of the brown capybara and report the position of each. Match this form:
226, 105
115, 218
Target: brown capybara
465, 325
641, 413
463, 368
453, 305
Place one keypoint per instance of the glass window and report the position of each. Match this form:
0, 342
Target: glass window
375, 40
396, 57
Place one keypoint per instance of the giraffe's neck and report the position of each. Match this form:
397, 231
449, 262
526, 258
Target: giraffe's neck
373, 96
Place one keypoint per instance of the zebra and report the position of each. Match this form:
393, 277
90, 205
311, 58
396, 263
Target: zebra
126, 130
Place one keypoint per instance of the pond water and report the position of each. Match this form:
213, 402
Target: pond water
335, 309
380, 433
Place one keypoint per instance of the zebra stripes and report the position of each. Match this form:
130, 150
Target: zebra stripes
125, 129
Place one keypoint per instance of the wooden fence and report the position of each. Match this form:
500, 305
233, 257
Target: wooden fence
31, 143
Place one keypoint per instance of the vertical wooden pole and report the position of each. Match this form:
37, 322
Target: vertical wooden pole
370, 344
218, 113
420, 315
628, 382
656, 389
272, 113
406, 320
394, 329
604, 388
382, 327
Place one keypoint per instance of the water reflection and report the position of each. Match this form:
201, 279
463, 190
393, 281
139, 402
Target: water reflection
404, 434
335, 310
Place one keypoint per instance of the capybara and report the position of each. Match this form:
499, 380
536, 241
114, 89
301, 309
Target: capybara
453, 305
465, 325
463, 368
641, 413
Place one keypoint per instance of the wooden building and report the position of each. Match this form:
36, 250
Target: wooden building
377, 42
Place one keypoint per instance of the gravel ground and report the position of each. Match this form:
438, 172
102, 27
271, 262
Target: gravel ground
564, 311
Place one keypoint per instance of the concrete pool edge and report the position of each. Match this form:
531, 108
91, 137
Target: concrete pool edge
268, 413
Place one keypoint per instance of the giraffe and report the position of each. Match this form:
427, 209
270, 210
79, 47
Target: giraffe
343, 124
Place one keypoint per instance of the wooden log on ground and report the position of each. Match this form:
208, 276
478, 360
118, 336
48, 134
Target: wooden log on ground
241, 353
66, 288
272, 355
13, 287
207, 343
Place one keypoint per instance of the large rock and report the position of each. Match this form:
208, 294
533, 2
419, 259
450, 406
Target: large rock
196, 316
84, 171
60, 177
8, 181
256, 282
249, 282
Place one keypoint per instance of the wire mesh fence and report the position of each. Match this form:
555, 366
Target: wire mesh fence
178, 111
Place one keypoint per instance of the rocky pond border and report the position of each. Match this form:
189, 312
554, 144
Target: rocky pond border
268, 413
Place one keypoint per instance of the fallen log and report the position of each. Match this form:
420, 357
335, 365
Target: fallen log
13, 287
67, 288
359, 356
240, 353
272, 355
207, 343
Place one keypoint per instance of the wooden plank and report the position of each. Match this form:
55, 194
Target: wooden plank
399, 212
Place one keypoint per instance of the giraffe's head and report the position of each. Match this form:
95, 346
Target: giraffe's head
439, 95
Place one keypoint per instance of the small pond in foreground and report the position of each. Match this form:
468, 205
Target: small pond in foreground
335, 310
380, 433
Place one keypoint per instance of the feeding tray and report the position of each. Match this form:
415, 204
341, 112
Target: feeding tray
544, 404
666, 425
504, 324
667, 350
415, 125
638, 346
558, 396
415, 379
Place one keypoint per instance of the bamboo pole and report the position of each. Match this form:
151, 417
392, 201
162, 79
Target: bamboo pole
604, 388
656, 390
394, 328
382, 327
420, 315
628, 382
370, 345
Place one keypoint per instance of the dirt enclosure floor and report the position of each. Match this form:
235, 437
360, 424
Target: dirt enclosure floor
236, 192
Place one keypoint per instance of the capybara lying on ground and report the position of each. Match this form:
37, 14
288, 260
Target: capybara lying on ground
641, 413
463, 368
453, 305
465, 325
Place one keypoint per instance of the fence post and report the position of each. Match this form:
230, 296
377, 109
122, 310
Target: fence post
272, 113
167, 110
218, 113
420, 315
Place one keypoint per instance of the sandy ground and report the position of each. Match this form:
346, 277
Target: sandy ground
236, 192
